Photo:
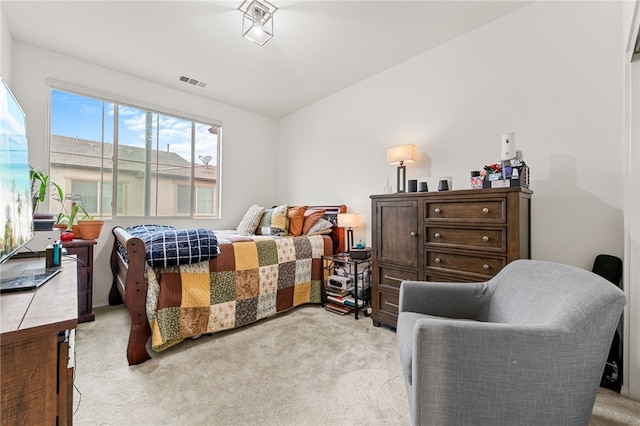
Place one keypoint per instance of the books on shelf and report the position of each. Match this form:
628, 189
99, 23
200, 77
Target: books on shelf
338, 292
337, 309
347, 300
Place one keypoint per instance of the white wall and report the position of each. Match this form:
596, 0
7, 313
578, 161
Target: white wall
631, 278
5, 48
550, 72
246, 179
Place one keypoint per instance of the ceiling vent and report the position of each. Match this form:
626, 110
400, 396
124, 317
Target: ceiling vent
192, 81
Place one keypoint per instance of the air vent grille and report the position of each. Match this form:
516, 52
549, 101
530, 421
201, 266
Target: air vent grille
192, 81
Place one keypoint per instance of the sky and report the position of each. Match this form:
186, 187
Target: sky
82, 117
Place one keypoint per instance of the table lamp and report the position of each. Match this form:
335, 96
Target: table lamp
399, 155
349, 221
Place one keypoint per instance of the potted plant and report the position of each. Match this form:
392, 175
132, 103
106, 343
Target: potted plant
40, 182
88, 226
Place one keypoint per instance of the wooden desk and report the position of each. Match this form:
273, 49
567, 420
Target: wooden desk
35, 327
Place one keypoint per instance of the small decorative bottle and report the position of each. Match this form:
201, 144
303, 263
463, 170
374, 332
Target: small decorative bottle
388, 189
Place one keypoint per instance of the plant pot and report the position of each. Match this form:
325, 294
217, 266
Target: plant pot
61, 226
90, 229
75, 229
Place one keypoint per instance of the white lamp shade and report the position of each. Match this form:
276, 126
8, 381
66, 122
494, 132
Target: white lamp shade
349, 220
402, 154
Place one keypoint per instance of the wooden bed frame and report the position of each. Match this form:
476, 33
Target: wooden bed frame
130, 286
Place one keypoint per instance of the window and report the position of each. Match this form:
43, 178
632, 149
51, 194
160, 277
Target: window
162, 164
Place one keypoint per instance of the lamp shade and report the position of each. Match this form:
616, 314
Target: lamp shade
349, 220
402, 154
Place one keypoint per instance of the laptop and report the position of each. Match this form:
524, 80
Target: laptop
29, 279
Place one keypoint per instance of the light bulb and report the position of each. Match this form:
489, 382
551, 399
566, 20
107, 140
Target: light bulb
257, 30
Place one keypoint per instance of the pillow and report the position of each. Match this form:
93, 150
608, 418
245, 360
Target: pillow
310, 219
296, 220
250, 221
275, 221
322, 226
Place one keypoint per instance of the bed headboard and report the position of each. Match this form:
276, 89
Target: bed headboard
337, 234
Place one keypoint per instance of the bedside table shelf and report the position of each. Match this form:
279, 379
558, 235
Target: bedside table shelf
359, 272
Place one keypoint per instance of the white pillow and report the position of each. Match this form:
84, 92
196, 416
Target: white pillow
320, 227
250, 221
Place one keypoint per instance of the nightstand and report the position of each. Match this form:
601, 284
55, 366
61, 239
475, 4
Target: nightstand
83, 249
358, 271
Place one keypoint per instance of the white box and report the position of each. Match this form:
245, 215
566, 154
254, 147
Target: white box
338, 282
41, 241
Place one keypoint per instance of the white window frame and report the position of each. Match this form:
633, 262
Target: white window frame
55, 84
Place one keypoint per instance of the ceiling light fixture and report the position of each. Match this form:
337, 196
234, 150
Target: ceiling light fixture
257, 20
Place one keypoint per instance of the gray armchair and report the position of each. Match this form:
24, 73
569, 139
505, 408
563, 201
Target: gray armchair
527, 347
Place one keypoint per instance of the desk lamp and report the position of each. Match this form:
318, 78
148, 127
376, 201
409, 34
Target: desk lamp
349, 221
399, 155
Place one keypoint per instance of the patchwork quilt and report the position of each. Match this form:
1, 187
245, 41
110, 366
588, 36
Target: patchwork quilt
252, 278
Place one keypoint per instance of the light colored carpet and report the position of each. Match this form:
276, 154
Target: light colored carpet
305, 367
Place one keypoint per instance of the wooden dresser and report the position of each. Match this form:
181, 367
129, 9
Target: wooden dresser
37, 348
453, 236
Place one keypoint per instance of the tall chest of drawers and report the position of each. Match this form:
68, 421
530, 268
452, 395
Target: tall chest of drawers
453, 236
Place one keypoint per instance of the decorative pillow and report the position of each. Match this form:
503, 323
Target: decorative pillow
296, 220
310, 219
322, 226
250, 221
275, 221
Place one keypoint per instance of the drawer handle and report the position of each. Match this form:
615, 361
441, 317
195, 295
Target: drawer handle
485, 210
437, 235
389, 277
485, 266
391, 304
413, 234
437, 210
485, 238
438, 260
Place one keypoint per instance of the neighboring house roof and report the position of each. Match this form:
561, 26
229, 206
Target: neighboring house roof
86, 154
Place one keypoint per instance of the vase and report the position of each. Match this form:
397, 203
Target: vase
90, 229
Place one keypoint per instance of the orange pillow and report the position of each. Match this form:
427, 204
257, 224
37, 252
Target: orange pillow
296, 220
310, 219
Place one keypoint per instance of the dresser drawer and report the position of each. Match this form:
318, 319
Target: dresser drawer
393, 277
435, 277
455, 263
493, 240
388, 304
484, 211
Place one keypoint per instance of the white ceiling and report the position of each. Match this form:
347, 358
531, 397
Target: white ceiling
319, 47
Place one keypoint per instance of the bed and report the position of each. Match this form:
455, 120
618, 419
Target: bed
248, 278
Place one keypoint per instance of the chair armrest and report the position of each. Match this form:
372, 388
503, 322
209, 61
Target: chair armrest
451, 300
